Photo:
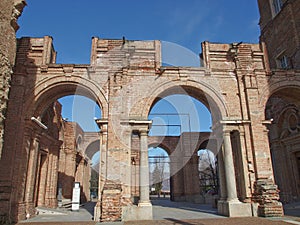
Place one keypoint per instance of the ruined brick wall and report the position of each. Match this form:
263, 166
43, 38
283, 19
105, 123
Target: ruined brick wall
281, 32
10, 10
73, 165
126, 82
67, 159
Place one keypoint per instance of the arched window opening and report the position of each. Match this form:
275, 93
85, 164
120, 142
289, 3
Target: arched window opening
179, 113
208, 175
159, 168
82, 110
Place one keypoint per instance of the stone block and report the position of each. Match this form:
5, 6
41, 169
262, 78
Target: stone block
140, 212
234, 209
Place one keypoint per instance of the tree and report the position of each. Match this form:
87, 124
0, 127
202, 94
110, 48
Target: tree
207, 171
94, 182
158, 175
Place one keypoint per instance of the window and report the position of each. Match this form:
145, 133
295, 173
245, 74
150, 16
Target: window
283, 62
277, 5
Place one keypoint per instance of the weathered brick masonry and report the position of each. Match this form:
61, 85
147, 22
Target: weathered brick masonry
252, 106
10, 12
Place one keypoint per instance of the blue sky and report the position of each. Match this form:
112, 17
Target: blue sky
72, 24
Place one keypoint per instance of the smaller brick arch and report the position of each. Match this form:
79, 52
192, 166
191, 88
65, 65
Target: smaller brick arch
279, 87
91, 143
168, 143
92, 149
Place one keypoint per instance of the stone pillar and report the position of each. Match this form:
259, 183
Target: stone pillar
103, 126
229, 169
142, 211
232, 207
144, 169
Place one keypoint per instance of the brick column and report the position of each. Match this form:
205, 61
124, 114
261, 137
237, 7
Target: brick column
31, 171
43, 179
53, 175
144, 169
49, 180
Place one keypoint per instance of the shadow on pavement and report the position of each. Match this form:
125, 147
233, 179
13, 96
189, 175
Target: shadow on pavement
166, 202
292, 209
64, 215
179, 222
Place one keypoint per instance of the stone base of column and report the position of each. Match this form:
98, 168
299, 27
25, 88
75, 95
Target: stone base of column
97, 211
143, 211
144, 204
235, 208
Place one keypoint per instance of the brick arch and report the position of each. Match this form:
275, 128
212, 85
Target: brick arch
168, 143
49, 90
283, 99
90, 137
276, 87
92, 148
203, 92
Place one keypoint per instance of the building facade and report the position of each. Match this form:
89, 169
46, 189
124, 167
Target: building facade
280, 30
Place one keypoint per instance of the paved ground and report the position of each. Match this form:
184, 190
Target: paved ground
216, 221
165, 213
85, 213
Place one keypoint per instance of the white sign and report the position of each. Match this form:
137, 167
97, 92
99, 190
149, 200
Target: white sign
76, 197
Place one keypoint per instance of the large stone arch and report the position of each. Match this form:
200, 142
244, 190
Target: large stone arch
185, 160
49, 90
200, 91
